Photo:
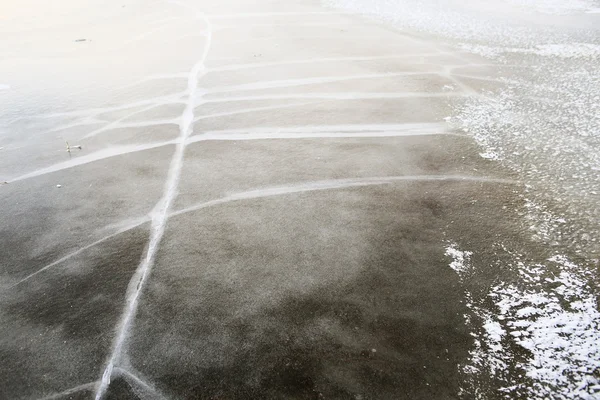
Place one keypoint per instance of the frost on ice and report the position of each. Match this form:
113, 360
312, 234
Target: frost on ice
546, 324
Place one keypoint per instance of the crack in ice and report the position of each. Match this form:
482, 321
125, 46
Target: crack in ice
255, 109
159, 216
284, 83
301, 187
338, 96
92, 157
237, 67
275, 14
135, 379
73, 390
80, 250
295, 132
334, 184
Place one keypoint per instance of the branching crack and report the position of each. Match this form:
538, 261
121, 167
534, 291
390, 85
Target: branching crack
301, 187
158, 217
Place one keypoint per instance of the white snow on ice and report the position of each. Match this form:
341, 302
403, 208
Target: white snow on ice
505, 23
560, 50
556, 6
460, 260
551, 313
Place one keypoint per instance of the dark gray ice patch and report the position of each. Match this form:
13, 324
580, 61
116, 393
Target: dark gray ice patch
369, 310
57, 327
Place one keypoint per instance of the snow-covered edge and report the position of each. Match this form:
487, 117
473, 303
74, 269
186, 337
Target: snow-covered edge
551, 314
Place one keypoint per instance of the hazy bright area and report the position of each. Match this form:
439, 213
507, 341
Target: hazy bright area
303, 199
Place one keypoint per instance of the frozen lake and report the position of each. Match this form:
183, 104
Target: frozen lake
537, 112
258, 199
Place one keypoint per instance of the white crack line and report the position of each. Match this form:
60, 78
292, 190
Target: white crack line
286, 83
300, 187
78, 251
294, 132
135, 379
237, 67
335, 184
159, 216
338, 96
73, 390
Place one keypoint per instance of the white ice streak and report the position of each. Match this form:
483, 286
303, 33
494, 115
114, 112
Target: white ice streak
118, 123
292, 14
284, 83
325, 131
159, 217
155, 77
92, 157
153, 102
147, 392
137, 124
337, 96
236, 67
80, 250
312, 186
301, 187
255, 109
294, 132
71, 391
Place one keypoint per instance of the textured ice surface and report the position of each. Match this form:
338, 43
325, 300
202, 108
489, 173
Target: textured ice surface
556, 6
259, 207
536, 112
508, 23
542, 115
550, 312
252, 203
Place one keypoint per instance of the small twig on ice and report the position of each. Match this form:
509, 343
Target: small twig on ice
72, 147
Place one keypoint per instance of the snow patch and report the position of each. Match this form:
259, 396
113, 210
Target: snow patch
557, 320
461, 260
551, 313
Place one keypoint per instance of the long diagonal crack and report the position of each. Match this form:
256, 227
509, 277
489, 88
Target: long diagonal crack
273, 191
134, 379
92, 157
338, 96
298, 82
335, 184
293, 132
159, 216
70, 391
80, 250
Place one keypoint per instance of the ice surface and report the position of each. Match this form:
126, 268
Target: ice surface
535, 112
550, 102
557, 325
259, 207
